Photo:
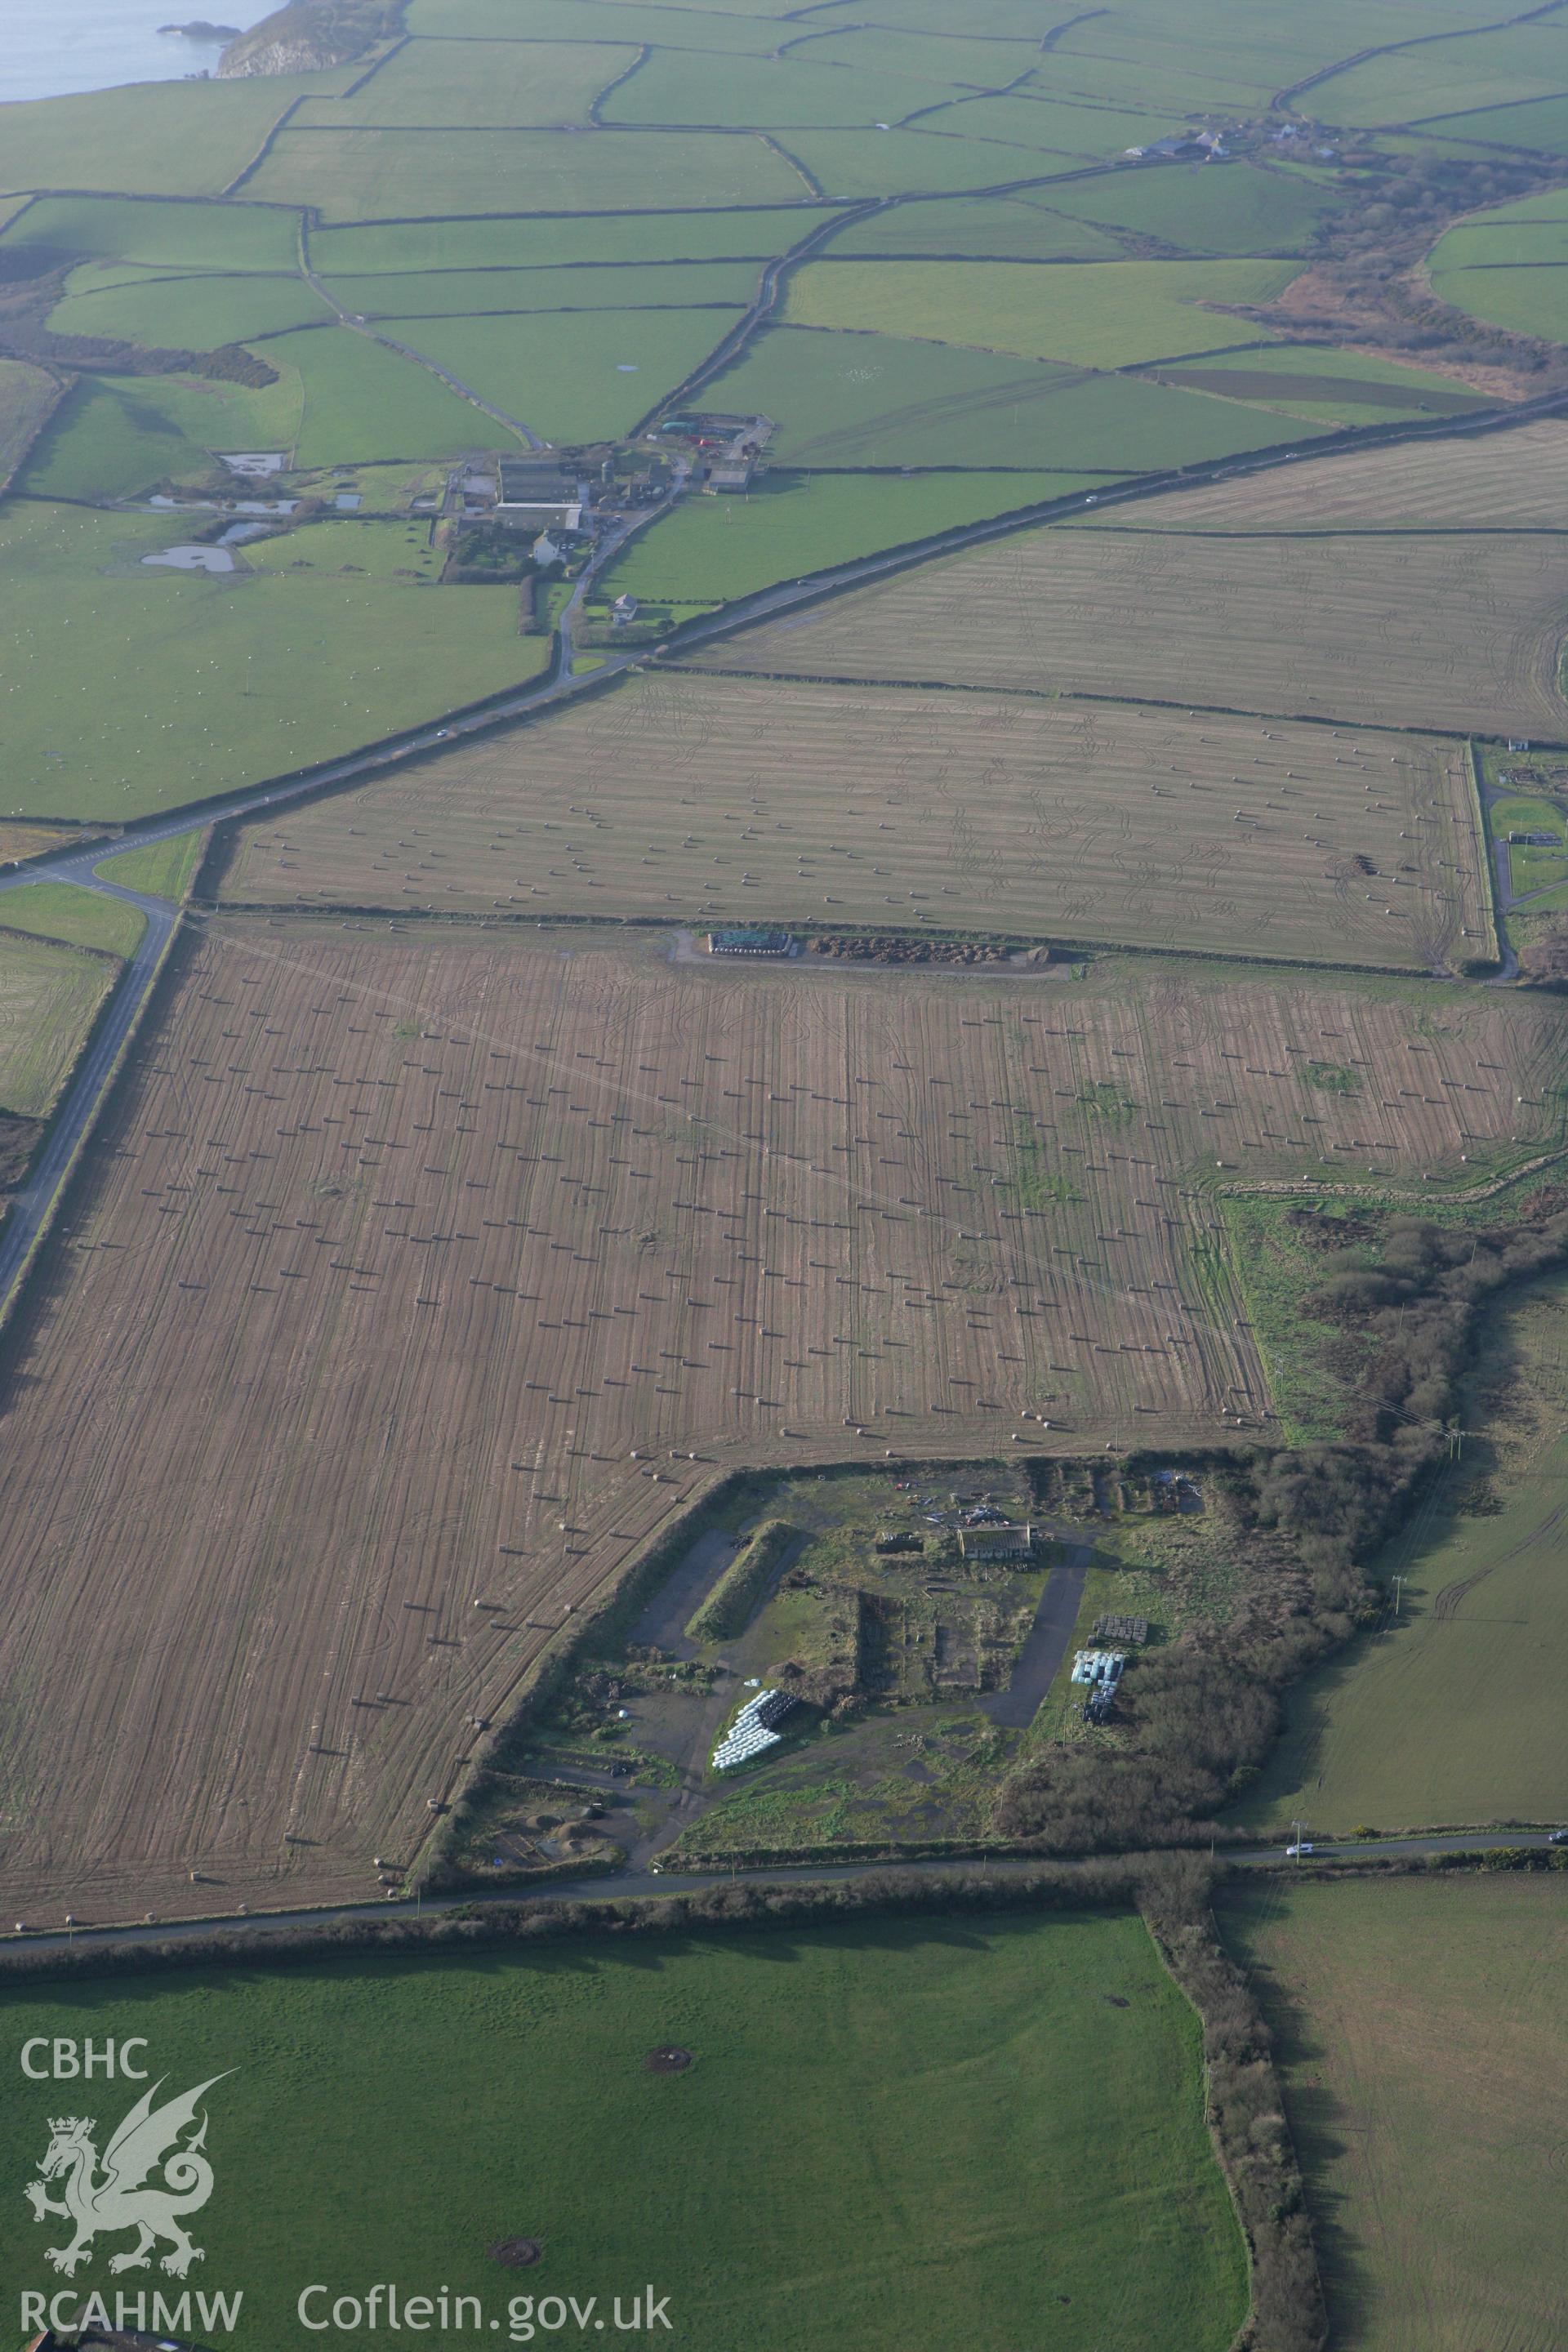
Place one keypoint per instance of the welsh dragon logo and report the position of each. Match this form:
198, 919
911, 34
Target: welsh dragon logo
125, 2194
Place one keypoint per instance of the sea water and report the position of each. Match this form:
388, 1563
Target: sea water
50, 46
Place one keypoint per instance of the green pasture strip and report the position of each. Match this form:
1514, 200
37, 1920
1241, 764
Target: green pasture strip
1548, 208
475, 86
162, 869
1012, 20
26, 397
586, 378
408, 247
153, 138
1073, 74
846, 164
930, 2090
861, 400
461, 293
1011, 228
768, 93
201, 681
1531, 300
1524, 812
375, 551
1109, 314
1497, 239
1541, 126
118, 437
387, 175
952, 59
1278, 46
1405, 1727
1032, 125
1326, 387
1419, 2029
1523, 61
161, 235
190, 313
789, 524
49, 998
670, 26
1238, 210
365, 402
76, 917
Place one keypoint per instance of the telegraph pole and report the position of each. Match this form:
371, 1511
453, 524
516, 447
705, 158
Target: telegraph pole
1300, 1829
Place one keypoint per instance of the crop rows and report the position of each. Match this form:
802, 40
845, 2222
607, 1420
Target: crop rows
692, 799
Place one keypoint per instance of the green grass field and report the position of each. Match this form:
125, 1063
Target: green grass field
163, 868
196, 313
1034, 125
853, 164
49, 998
1449, 1713
864, 399
198, 684
678, 88
1495, 70
1532, 299
160, 234
1420, 2031
586, 378
363, 176
1324, 386
1539, 126
568, 20
891, 2132
1529, 867
405, 247
1241, 210
1110, 314
463, 293
1008, 228
477, 86
76, 917
719, 547
154, 139
115, 437
365, 404
948, 58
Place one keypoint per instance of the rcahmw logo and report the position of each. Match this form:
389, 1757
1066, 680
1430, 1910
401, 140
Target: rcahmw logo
153, 2175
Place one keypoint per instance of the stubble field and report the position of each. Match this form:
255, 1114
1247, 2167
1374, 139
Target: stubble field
418, 1269
1322, 626
1499, 482
700, 798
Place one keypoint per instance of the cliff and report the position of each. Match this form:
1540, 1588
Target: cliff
308, 35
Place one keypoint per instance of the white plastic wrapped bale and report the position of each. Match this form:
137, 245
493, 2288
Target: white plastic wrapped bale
751, 1730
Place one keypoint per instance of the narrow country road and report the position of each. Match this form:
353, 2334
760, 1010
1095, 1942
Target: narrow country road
612, 1889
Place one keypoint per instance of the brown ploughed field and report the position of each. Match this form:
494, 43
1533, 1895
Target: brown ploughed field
726, 800
403, 1244
1454, 630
